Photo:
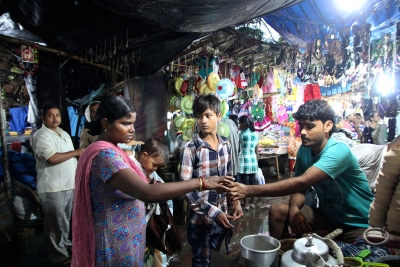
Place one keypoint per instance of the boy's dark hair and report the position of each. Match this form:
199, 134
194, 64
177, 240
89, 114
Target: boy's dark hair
247, 123
112, 108
234, 118
358, 114
155, 147
48, 106
204, 102
315, 110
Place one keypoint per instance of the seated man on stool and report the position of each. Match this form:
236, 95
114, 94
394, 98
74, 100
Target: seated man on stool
331, 168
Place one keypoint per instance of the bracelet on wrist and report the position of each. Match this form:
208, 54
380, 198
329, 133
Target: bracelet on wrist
200, 184
204, 182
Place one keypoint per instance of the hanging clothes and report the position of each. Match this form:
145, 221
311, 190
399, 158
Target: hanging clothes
73, 120
271, 81
18, 121
31, 113
312, 91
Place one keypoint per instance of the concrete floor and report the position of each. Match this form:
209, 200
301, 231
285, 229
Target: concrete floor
32, 252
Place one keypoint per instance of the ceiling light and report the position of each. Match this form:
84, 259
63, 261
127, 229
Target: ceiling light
350, 6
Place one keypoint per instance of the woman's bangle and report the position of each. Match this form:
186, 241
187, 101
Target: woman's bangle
204, 182
200, 184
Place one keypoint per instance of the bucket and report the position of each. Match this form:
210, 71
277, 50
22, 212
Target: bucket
259, 251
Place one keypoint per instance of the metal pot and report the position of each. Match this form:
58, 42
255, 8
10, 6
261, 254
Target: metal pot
259, 251
310, 251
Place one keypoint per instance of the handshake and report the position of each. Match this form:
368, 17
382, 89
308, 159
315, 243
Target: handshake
235, 191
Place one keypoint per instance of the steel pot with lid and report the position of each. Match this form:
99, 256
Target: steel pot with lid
312, 250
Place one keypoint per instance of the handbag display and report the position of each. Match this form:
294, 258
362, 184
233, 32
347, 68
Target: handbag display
161, 231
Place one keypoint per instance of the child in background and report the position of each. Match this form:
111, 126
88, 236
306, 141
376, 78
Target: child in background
153, 154
248, 156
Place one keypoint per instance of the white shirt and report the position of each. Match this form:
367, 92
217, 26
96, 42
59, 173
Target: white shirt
370, 158
58, 177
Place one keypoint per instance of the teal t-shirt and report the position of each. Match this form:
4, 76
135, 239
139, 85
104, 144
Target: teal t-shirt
345, 196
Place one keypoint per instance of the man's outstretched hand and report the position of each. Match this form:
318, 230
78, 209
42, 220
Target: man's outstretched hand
237, 191
298, 223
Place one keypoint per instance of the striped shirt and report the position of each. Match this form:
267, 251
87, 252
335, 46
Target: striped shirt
199, 159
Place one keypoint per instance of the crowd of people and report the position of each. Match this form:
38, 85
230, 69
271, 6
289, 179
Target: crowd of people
336, 185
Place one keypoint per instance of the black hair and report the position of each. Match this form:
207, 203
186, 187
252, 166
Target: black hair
247, 123
48, 106
315, 110
204, 102
338, 119
346, 132
90, 105
155, 147
112, 108
358, 114
381, 115
94, 103
234, 118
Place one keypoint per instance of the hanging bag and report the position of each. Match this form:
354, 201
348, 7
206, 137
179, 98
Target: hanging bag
161, 231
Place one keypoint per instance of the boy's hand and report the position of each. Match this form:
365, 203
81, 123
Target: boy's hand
237, 191
237, 210
223, 220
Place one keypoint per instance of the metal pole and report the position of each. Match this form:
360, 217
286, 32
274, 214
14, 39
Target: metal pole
3, 126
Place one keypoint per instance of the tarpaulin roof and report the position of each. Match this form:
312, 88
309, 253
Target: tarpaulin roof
304, 22
158, 29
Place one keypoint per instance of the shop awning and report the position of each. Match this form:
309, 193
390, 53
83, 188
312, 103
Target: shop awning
304, 22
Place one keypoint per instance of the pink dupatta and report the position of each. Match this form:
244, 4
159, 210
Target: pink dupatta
82, 220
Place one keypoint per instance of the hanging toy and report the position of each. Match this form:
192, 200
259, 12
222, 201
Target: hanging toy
184, 87
223, 129
224, 108
178, 85
197, 84
205, 90
187, 104
188, 129
225, 88
212, 81
258, 112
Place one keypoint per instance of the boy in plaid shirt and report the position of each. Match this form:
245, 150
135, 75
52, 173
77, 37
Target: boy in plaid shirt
206, 155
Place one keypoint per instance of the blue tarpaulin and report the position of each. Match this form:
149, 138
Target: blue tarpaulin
311, 19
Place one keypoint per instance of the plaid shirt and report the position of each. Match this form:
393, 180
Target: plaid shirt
199, 159
248, 161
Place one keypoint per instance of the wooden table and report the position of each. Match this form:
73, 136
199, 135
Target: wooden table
269, 156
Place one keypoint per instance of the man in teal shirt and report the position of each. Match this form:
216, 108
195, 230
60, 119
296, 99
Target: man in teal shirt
331, 169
